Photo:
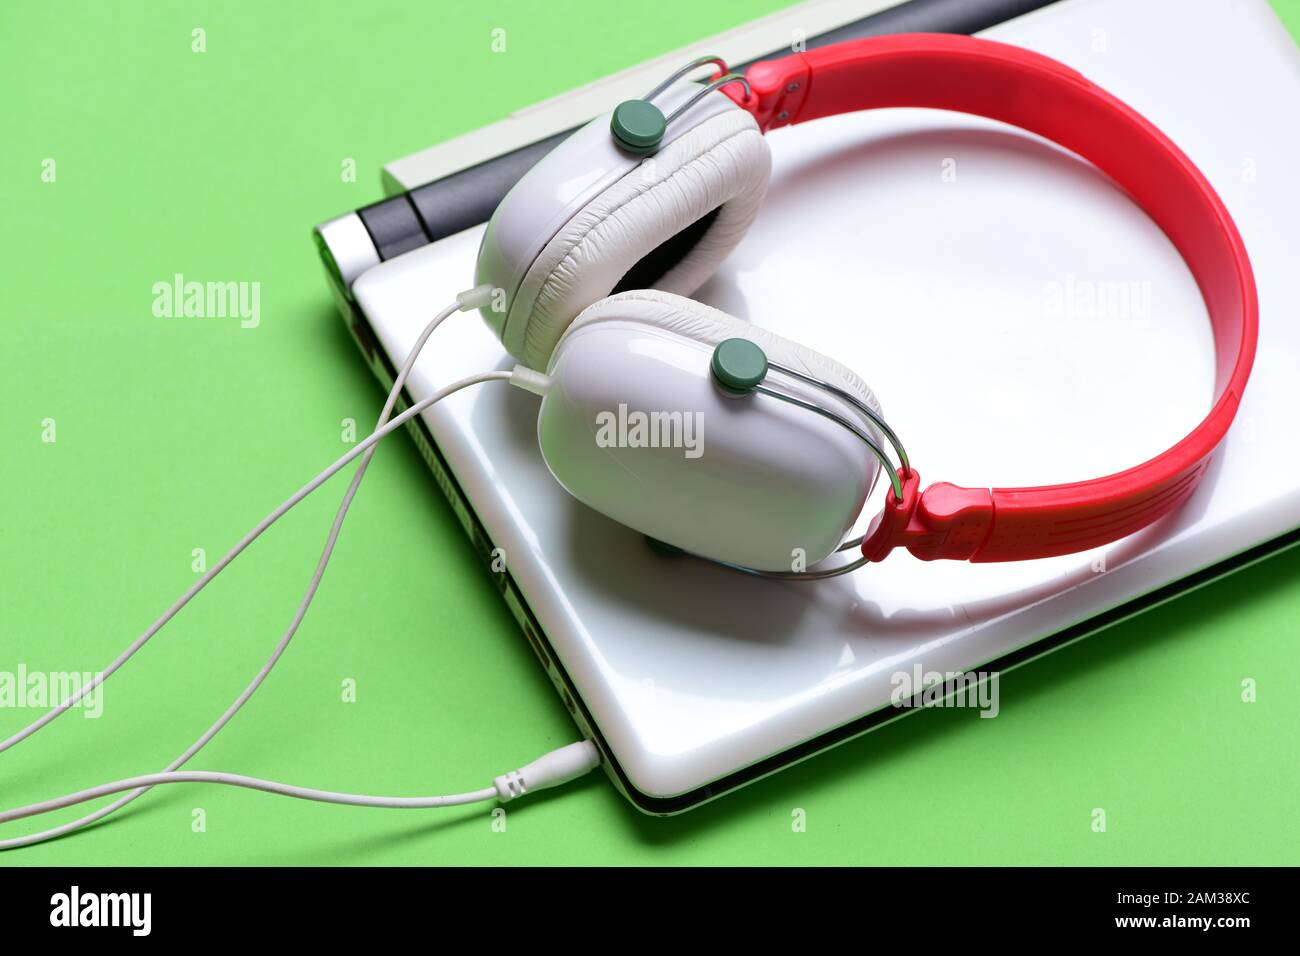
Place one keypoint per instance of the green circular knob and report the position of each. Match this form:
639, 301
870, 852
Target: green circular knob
738, 365
638, 126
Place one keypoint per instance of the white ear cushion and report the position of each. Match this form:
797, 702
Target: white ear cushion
710, 326
723, 163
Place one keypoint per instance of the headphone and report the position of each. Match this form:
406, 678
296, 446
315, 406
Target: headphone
583, 273
597, 247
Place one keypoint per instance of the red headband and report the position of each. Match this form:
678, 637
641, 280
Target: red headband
1038, 94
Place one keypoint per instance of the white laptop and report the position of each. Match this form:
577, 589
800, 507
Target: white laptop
1073, 343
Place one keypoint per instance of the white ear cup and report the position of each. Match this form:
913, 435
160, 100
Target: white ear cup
706, 324
634, 425
721, 164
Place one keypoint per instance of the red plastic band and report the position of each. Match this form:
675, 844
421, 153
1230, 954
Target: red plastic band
1038, 94
944, 522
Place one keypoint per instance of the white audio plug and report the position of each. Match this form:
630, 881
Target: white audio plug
550, 770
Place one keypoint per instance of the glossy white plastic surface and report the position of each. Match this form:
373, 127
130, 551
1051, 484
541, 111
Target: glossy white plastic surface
962, 232
747, 480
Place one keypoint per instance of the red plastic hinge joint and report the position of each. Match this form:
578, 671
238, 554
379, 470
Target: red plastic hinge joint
944, 521
778, 91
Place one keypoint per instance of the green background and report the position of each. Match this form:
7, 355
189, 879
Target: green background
176, 434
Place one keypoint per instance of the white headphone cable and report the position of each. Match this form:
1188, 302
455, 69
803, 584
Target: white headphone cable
280, 648
474, 298
234, 552
550, 770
